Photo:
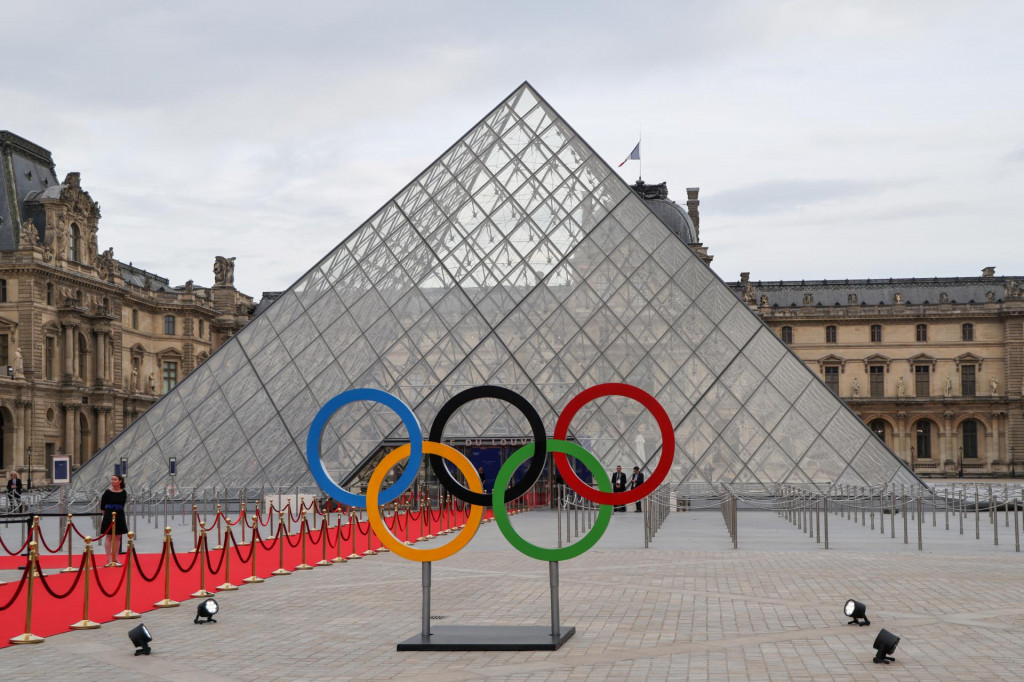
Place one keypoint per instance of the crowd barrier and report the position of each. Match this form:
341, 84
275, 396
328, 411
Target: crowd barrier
39, 604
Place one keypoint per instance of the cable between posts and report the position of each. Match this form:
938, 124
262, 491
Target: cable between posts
209, 565
74, 584
21, 585
99, 583
142, 574
21, 549
174, 555
63, 539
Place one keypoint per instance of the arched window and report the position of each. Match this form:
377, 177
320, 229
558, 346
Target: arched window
969, 434
830, 334
878, 427
967, 332
76, 243
169, 325
787, 335
876, 333
922, 332
924, 439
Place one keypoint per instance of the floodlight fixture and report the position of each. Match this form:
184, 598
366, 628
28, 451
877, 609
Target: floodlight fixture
885, 644
857, 611
140, 638
208, 608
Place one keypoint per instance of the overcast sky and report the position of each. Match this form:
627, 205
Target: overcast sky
829, 139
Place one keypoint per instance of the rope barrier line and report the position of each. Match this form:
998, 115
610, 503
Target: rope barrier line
20, 550
99, 583
19, 588
74, 583
142, 574
174, 555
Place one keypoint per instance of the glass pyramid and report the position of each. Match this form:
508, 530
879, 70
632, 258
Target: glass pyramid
517, 258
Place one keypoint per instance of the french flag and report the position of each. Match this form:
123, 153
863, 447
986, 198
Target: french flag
633, 155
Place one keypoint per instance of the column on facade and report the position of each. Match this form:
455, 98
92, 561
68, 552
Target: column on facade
70, 430
101, 426
947, 444
101, 356
901, 434
993, 449
19, 435
69, 350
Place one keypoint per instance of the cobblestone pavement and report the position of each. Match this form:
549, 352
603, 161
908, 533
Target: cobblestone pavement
690, 607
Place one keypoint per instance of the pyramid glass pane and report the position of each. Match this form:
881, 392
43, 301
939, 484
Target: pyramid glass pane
519, 259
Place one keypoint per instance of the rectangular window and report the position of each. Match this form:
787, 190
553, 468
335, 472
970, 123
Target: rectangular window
787, 335
169, 325
922, 332
832, 379
967, 382
51, 344
4, 348
924, 440
3, 291
170, 376
830, 334
877, 376
135, 318
201, 328
921, 381
969, 431
876, 333
967, 332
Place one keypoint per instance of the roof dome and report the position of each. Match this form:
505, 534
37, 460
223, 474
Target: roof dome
669, 212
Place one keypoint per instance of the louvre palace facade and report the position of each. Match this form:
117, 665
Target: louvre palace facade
87, 342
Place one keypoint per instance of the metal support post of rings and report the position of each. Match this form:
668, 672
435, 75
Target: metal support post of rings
512, 398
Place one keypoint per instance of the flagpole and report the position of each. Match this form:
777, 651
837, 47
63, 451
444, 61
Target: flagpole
641, 159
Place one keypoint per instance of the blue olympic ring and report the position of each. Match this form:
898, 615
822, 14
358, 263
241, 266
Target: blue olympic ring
316, 431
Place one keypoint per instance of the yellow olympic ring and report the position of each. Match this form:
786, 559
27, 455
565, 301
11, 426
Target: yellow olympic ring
463, 537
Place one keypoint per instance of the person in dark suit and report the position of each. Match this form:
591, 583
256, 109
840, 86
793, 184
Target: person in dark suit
13, 491
635, 481
619, 484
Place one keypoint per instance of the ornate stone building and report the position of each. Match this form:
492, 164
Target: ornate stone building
934, 366
87, 342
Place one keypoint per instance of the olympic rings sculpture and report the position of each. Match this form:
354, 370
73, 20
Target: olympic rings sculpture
502, 493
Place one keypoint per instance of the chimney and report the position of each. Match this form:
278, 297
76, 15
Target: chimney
691, 207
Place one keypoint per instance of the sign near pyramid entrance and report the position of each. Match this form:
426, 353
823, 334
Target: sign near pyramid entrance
517, 259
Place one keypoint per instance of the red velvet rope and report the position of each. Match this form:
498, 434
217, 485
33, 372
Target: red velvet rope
142, 574
17, 592
272, 544
20, 549
297, 536
99, 583
63, 539
349, 526
174, 555
206, 551
78, 577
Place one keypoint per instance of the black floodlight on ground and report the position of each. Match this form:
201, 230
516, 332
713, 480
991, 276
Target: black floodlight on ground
208, 608
140, 638
885, 644
857, 611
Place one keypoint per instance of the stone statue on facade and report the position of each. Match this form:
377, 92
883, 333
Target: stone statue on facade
224, 271
851, 299
135, 381
943, 297
152, 384
901, 387
990, 297
808, 299
947, 390
897, 298
19, 362
763, 302
856, 387
995, 386
29, 235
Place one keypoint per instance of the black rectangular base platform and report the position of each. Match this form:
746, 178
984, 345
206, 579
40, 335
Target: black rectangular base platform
489, 638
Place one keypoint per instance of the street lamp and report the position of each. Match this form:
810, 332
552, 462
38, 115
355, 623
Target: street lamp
961, 461
1013, 464
29, 453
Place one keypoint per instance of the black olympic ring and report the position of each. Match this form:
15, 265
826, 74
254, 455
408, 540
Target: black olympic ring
539, 436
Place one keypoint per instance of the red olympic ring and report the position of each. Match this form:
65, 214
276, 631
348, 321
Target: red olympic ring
668, 444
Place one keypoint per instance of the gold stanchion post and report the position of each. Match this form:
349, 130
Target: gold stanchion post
128, 613
195, 527
302, 542
220, 536
280, 570
241, 517
323, 542
227, 586
85, 623
27, 637
255, 541
69, 568
204, 554
167, 602
339, 559
369, 540
353, 527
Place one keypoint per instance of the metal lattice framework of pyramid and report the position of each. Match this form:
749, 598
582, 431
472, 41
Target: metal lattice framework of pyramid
518, 258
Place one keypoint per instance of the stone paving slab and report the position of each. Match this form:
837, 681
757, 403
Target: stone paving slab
690, 607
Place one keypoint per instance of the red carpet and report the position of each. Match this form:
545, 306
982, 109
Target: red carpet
57, 597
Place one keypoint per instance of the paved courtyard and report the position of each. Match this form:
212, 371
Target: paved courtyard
690, 607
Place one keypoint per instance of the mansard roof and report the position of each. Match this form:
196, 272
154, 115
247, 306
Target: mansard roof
25, 169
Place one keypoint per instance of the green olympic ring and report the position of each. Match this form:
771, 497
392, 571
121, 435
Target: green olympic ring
501, 481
